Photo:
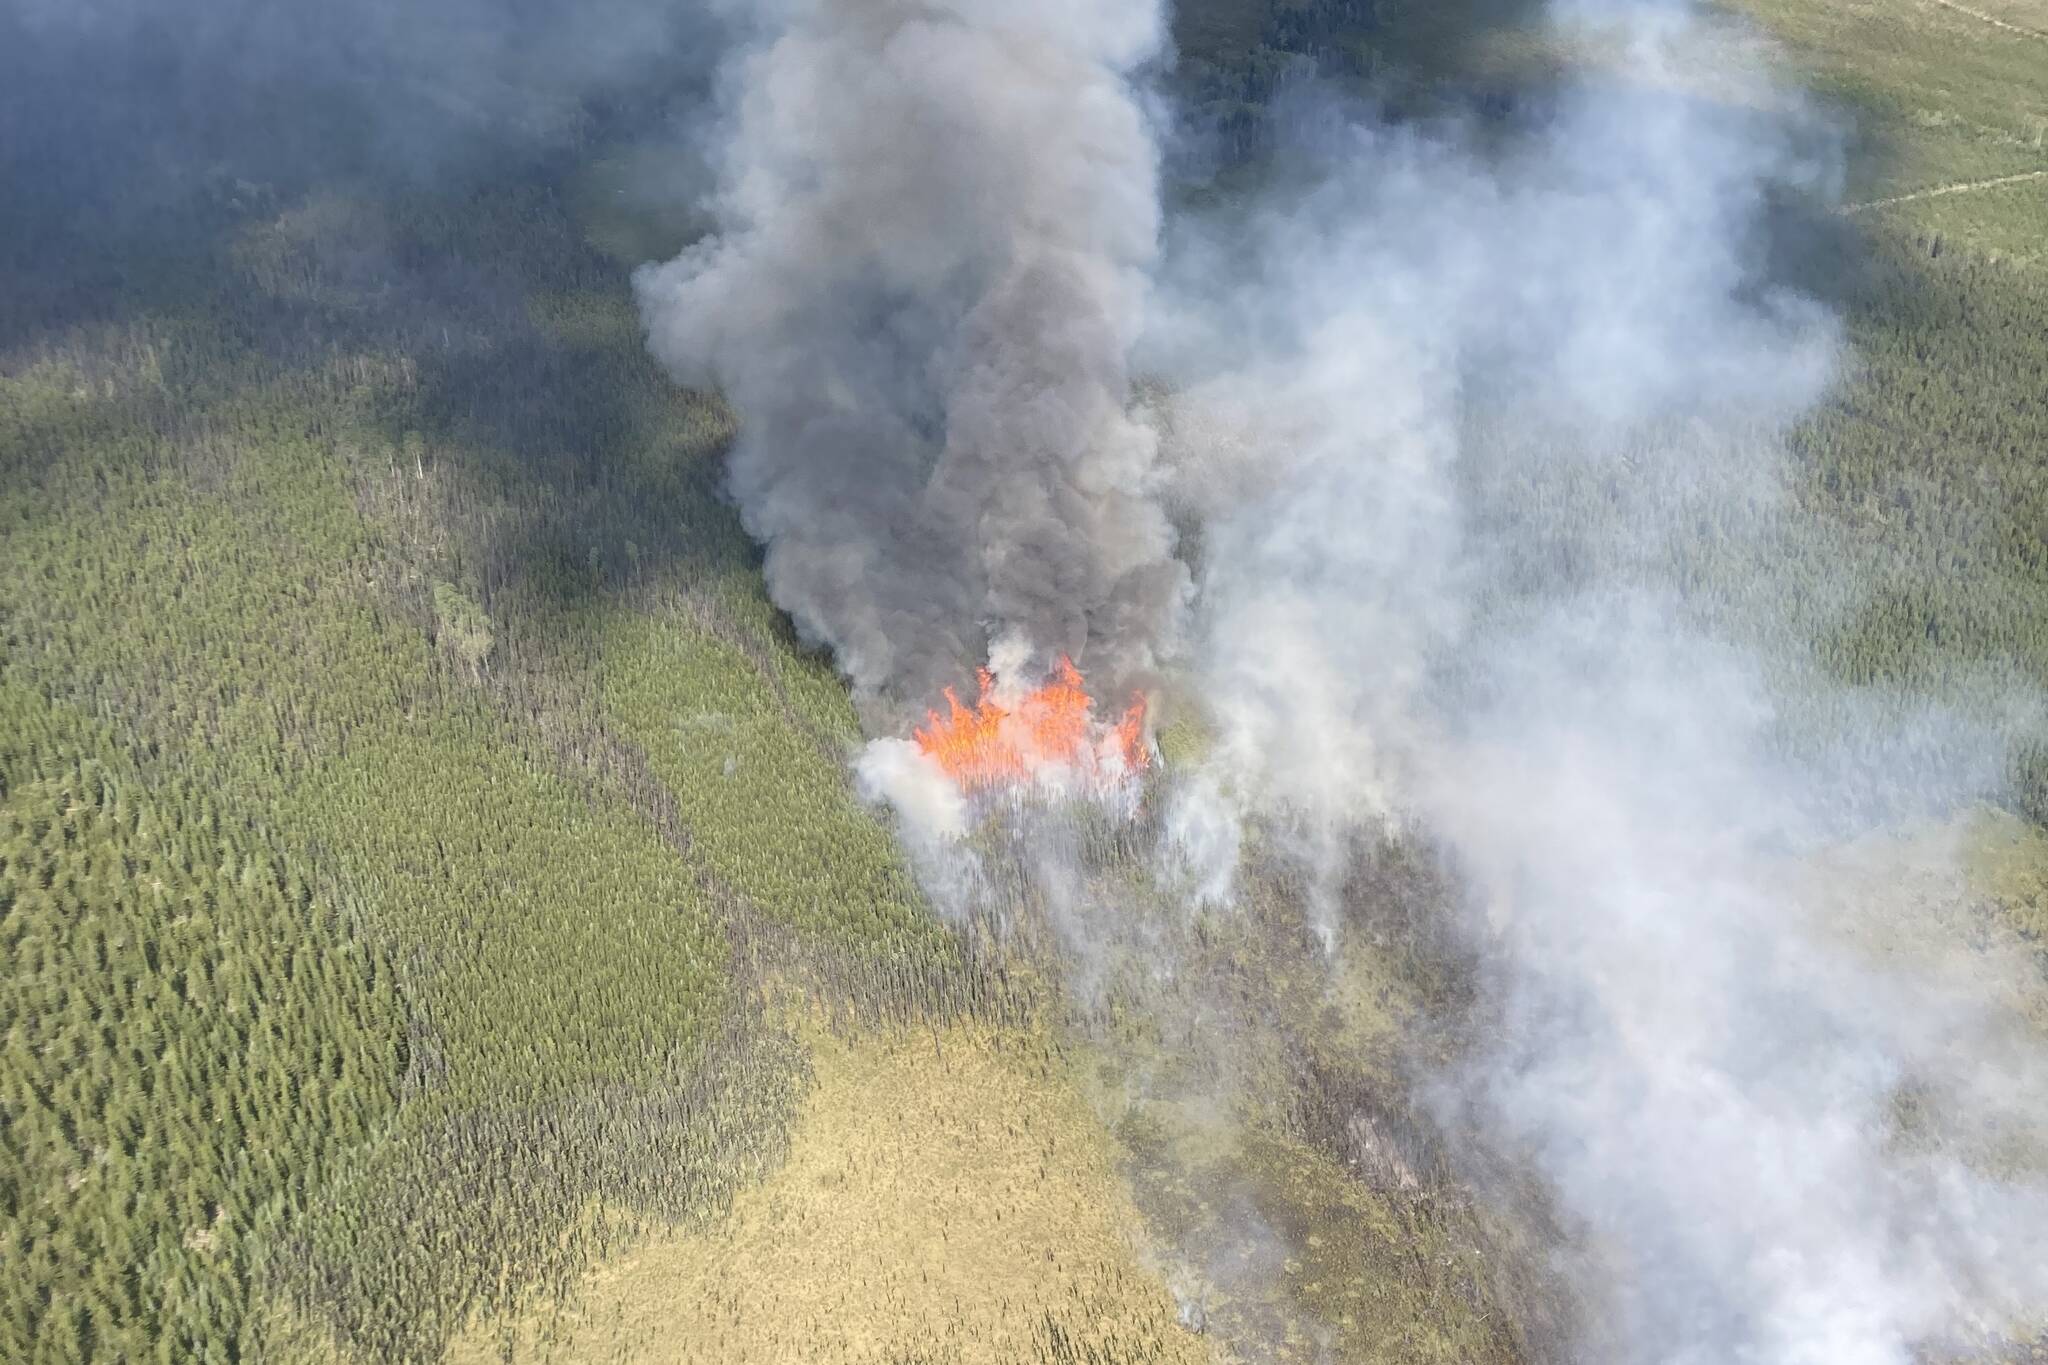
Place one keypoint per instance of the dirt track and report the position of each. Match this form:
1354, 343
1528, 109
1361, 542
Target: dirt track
1960, 187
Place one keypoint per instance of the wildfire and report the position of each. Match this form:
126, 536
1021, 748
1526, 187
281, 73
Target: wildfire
992, 744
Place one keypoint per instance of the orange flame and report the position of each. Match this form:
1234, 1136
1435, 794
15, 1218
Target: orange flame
991, 744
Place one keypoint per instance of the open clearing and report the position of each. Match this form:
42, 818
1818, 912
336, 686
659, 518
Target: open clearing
1934, 97
948, 1197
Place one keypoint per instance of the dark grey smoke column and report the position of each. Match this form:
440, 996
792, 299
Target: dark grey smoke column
936, 223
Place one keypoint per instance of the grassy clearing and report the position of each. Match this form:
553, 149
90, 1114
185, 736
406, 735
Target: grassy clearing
946, 1197
1938, 97
2009, 864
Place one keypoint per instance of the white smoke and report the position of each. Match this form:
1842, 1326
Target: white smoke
897, 773
1706, 1072
1409, 609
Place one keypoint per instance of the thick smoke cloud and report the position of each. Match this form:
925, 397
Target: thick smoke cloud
1479, 429
936, 223
1499, 387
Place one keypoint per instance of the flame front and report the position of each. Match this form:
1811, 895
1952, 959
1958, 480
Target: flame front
991, 744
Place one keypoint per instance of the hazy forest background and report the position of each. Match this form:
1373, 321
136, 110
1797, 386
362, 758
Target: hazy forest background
434, 916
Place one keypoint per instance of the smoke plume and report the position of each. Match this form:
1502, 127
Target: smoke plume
1505, 395
1480, 426
936, 224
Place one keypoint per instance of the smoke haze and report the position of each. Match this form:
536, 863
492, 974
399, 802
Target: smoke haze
1455, 499
1480, 429
168, 88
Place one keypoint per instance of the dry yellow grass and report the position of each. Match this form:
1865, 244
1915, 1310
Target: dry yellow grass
2009, 861
1899, 900
948, 1196
1896, 900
